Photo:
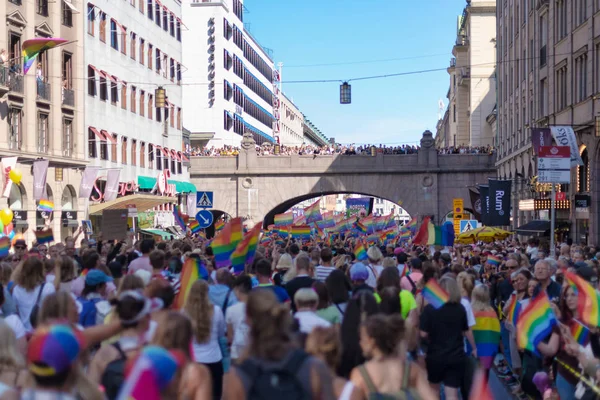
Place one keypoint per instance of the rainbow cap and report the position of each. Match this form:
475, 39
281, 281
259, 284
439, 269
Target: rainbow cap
52, 350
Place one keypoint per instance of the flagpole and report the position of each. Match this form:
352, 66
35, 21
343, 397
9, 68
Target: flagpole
552, 220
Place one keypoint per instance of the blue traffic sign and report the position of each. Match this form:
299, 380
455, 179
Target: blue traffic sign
204, 218
204, 199
468, 225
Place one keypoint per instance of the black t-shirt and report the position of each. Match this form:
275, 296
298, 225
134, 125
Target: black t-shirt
445, 328
296, 284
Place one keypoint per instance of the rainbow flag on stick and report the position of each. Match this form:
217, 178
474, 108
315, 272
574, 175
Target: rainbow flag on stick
4, 246
194, 226
226, 241
45, 205
535, 323
245, 250
44, 237
430, 234
193, 269
514, 310
284, 219
360, 251
435, 294
300, 231
32, 47
313, 212
494, 260
487, 336
178, 217
588, 299
219, 225
411, 225
579, 331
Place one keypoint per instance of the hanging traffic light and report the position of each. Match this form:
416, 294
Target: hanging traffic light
345, 93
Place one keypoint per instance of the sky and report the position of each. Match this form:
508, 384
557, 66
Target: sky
357, 38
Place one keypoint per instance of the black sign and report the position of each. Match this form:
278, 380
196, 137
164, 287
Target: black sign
499, 203
68, 215
475, 204
44, 214
19, 215
582, 201
484, 191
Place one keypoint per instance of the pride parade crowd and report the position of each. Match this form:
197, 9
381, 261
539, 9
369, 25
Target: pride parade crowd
321, 307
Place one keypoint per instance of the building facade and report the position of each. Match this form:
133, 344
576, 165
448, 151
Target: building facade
472, 92
549, 74
41, 113
312, 135
133, 101
230, 81
291, 123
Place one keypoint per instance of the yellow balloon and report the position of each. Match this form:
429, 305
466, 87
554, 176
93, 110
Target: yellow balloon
15, 176
6, 216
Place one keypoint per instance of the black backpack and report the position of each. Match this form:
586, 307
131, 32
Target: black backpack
276, 383
114, 374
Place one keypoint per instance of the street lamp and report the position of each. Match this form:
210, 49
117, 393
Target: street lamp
345, 93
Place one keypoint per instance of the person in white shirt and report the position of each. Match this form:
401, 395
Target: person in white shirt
235, 317
30, 288
323, 270
306, 301
375, 256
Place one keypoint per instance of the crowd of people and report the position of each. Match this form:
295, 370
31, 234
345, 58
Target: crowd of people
304, 320
364, 150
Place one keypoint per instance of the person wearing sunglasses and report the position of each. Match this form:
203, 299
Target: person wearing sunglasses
20, 248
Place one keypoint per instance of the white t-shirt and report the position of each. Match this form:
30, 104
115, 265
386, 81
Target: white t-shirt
236, 317
322, 272
309, 320
16, 325
25, 300
470, 316
374, 272
210, 352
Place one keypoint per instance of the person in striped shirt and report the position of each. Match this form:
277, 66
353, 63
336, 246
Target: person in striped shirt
323, 270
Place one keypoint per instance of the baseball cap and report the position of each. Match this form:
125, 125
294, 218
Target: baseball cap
52, 350
358, 272
580, 264
96, 277
161, 364
587, 273
20, 242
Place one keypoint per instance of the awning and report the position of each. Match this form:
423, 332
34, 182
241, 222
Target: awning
165, 151
146, 182
71, 6
123, 29
175, 155
183, 157
535, 227
109, 137
97, 133
158, 232
183, 187
99, 72
142, 202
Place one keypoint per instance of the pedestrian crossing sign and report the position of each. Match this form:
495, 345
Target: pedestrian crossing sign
204, 199
468, 225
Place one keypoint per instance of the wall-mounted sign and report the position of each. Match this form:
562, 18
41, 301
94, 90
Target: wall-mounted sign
68, 215
554, 164
582, 201
44, 215
19, 215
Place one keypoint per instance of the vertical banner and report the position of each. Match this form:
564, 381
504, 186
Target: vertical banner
112, 184
87, 182
8, 163
475, 204
540, 137
40, 170
191, 204
565, 136
484, 191
499, 203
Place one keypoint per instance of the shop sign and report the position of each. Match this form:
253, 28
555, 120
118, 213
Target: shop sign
68, 215
19, 215
165, 188
582, 201
43, 215
145, 220
125, 188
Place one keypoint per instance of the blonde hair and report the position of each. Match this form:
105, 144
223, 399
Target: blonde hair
466, 283
451, 287
10, 358
388, 262
200, 310
285, 262
325, 344
174, 331
306, 297
374, 254
480, 298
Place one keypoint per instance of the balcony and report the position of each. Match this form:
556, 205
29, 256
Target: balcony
43, 91
465, 76
452, 62
3, 81
68, 98
462, 40
15, 83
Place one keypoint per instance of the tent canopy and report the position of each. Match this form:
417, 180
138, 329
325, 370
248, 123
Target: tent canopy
536, 227
142, 202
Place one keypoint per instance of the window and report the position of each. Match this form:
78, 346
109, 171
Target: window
42, 7
113, 148
172, 25
150, 105
104, 146
227, 60
158, 114
150, 10
103, 89
114, 92
15, 137
171, 117
165, 65
158, 158
124, 150
228, 90
133, 99
42, 133
142, 102
142, 51
67, 14
123, 96
133, 40
178, 30
141, 6
91, 19
561, 88
454, 113
165, 21
102, 27
581, 78
142, 154
150, 156
67, 70
150, 55
580, 11
91, 81
227, 29
134, 152
561, 20
543, 102
157, 14
157, 61
238, 9
172, 70
227, 121
67, 137
114, 41
123, 33
178, 74
92, 151
179, 118
597, 66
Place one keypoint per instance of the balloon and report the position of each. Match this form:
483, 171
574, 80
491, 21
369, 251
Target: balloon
7, 228
15, 176
1, 226
6, 216
11, 235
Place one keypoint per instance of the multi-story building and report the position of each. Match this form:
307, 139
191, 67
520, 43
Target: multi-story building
41, 113
291, 123
229, 81
472, 92
549, 74
312, 134
133, 106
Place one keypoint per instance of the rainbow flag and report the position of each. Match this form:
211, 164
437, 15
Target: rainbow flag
588, 300
579, 331
193, 269
178, 217
226, 241
300, 231
219, 225
313, 212
245, 250
284, 219
369, 223
514, 310
360, 251
265, 241
405, 234
430, 234
44, 237
435, 294
328, 220
45, 205
360, 227
299, 220
32, 47
404, 271
4, 246
487, 336
494, 260
535, 323
411, 225
194, 226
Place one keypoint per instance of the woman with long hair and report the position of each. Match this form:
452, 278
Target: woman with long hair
380, 340
209, 327
30, 289
339, 288
325, 309
520, 282
271, 347
487, 326
65, 272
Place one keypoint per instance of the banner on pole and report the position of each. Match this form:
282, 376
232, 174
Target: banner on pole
485, 202
499, 202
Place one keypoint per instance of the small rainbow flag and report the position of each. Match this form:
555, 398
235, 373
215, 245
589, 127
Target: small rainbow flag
514, 310
284, 219
226, 241
487, 336
412, 225
494, 260
194, 226
313, 212
245, 250
219, 225
45, 205
579, 331
588, 299
360, 252
44, 237
178, 217
360, 227
435, 294
535, 323
4, 246
405, 234
193, 269
300, 231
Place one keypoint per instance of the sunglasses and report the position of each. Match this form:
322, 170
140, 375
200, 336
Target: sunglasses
20, 247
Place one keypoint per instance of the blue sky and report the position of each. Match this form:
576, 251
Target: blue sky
389, 111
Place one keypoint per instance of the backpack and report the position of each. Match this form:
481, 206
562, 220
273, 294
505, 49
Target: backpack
405, 392
88, 314
114, 374
276, 383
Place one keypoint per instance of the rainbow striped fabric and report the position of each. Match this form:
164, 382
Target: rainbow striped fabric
43, 237
579, 331
284, 219
245, 250
226, 241
178, 217
4, 246
193, 269
494, 260
435, 294
360, 252
487, 336
588, 299
514, 310
194, 226
300, 232
313, 212
535, 323
219, 224
45, 205
32, 47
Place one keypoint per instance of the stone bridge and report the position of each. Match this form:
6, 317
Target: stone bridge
257, 188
